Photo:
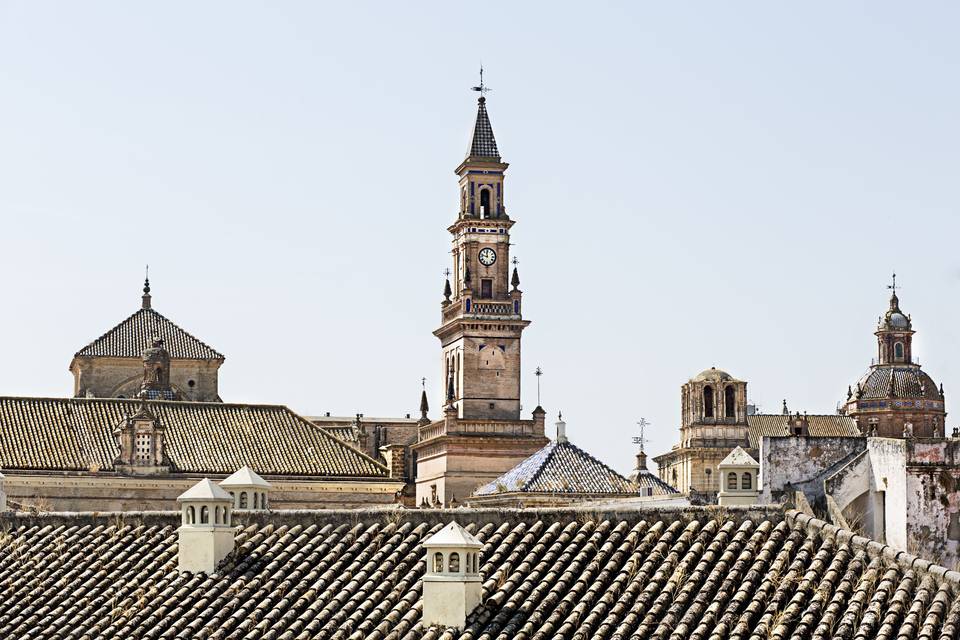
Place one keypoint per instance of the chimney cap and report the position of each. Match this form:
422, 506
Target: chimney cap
245, 477
205, 491
453, 535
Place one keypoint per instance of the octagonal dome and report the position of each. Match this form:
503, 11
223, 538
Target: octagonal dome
712, 375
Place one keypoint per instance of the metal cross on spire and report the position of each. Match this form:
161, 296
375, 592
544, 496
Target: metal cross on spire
515, 261
446, 272
538, 373
893, 287
641, 440
482, 88
423, 383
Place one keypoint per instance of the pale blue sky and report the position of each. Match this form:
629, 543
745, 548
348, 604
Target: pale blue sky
695, 184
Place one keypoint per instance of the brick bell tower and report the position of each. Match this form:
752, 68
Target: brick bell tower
481, 435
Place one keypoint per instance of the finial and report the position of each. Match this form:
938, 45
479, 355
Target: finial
447, 291
515, 280
146, 289
786, 411
538, 373
894, 300
451, 393
561, 428
424, 405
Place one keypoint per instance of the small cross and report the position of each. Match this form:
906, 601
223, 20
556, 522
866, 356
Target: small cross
423, 383
515, 261
893, 286
446, 272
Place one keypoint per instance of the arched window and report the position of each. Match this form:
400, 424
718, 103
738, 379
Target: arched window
730, 402
191, 515
263, 502
708, 402
485, 210
732, 481
218, 515
898, 351
256, 500
204, 515
438, 562
454, 562
243, 499
746, 481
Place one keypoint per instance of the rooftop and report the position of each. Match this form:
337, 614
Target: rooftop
563, 573
560, 467
76, 434
129, 338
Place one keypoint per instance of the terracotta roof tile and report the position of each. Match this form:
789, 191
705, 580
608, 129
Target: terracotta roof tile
776, 424
76, 434
694, 574
129, 338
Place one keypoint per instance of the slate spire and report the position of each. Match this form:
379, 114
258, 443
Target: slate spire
482, 142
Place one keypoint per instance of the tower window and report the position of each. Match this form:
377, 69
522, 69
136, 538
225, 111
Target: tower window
708, 402
732, 481
485, 211
729, 402
898, 351
486, 288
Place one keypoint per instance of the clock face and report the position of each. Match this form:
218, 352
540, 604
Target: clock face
487, 256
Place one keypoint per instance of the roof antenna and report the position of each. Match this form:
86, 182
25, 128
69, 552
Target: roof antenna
146, 289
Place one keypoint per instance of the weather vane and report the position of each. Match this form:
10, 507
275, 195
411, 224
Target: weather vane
893, 287
423, 383
641, 440
515, 261
446, 272
482, 88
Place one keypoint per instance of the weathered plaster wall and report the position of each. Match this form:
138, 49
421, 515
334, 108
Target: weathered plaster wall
802, 463
932, 492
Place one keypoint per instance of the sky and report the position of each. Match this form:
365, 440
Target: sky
694, 184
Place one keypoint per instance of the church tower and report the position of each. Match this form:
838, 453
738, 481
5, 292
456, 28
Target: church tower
481, 434
481, 312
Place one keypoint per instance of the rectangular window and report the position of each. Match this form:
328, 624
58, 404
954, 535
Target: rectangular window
486, 288
142, 447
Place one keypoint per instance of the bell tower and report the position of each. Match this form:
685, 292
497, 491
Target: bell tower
481, 434
481, 312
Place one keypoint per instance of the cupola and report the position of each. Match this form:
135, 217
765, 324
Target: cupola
452, 585
248, 490
206, 534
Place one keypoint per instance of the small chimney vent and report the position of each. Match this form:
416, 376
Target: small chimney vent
452, 584
206, 534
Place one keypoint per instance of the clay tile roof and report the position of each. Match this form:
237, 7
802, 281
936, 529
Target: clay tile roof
129, 338
203, 491
738, 458
908, 382
245, 477
645, 479
777, 424
560, 467
76, 434
673, 573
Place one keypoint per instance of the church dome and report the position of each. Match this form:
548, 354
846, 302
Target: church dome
712, 375
904, 382
898, 321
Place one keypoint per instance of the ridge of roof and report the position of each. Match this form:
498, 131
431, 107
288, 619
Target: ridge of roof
180, 343
245, 476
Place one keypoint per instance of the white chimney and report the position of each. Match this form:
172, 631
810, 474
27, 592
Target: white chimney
561, 429
3, 496
206, 534
248, 490
452, 583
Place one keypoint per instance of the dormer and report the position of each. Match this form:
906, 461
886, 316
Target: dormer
452, 582
206, 534
142, 439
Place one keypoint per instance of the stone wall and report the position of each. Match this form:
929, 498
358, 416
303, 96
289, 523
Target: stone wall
802, 463
114, 377
110, 492
932, 495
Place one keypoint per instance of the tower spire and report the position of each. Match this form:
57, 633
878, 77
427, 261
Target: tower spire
424, 405
145, 299
482, 142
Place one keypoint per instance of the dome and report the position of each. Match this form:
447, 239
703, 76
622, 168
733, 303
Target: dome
712, 375
908, 382
898, 321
